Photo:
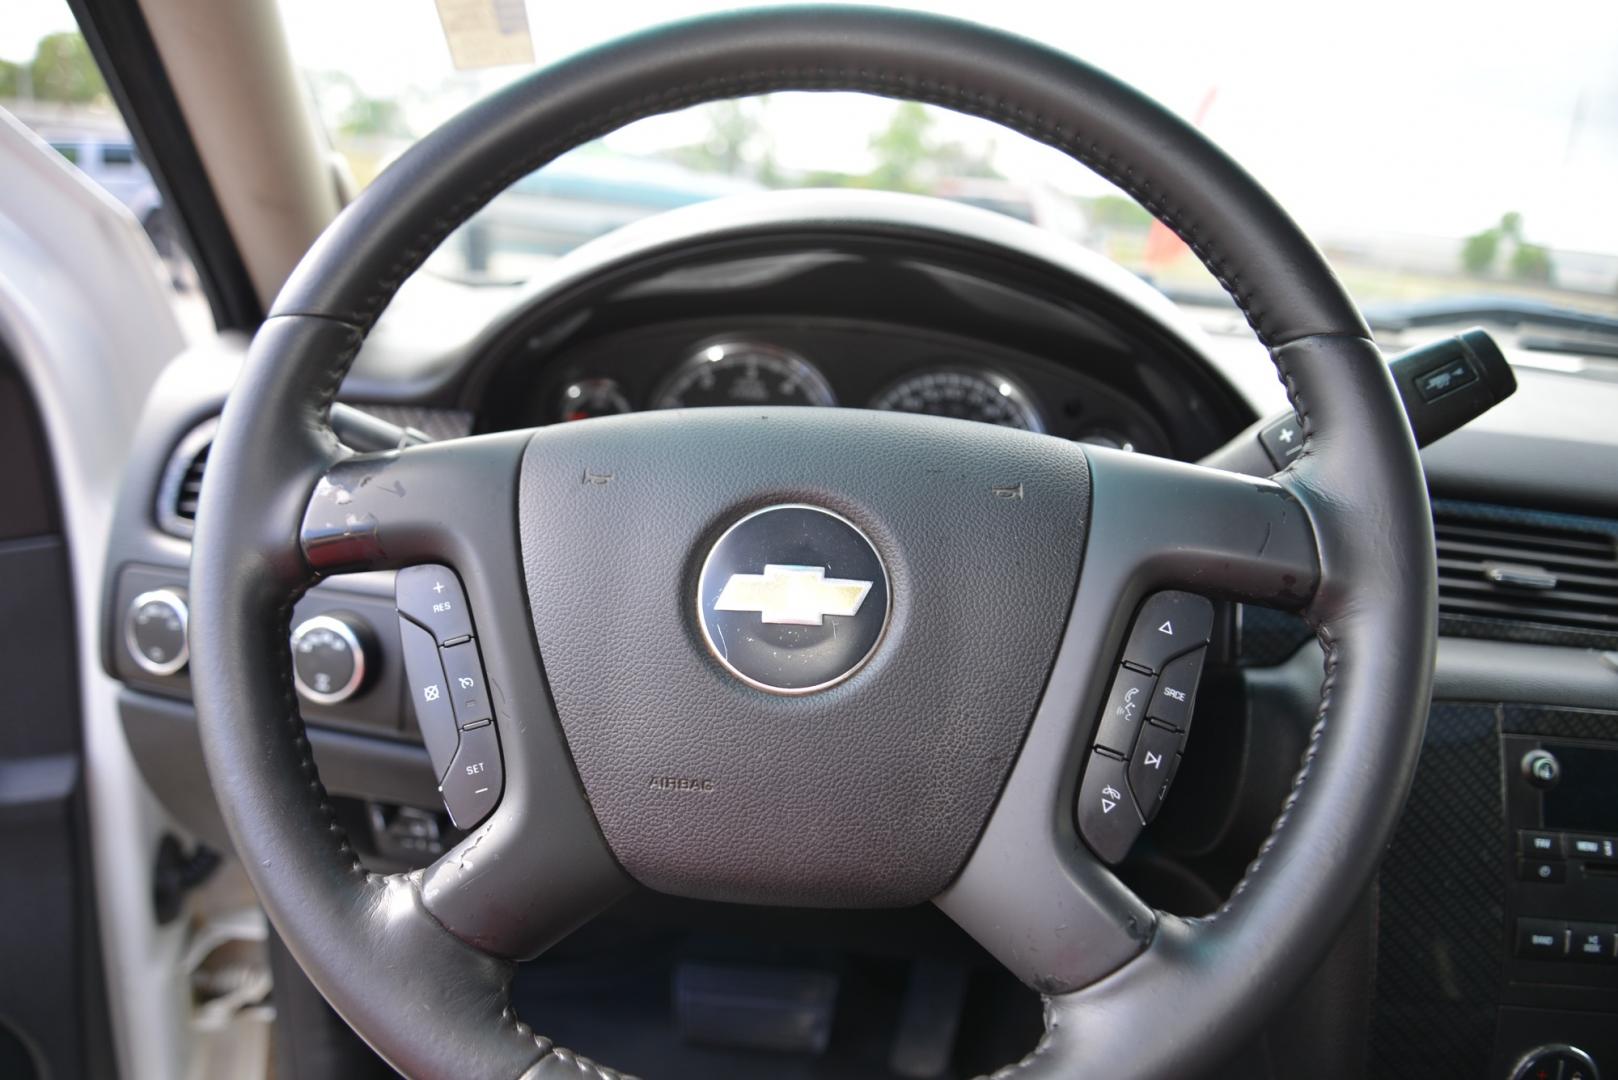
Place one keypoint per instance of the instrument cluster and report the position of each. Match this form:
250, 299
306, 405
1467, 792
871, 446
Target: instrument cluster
855, 370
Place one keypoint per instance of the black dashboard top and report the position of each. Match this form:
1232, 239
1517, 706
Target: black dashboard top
859, 320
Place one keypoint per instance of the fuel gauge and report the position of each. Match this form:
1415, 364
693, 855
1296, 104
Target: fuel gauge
587, 398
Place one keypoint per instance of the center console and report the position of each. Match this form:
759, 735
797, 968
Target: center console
1499, 899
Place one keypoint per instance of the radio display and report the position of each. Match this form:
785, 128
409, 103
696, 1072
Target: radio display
1586, 799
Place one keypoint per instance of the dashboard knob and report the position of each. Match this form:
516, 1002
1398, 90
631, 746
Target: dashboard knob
329, 658
1556, 1061
1541, 768
154, 631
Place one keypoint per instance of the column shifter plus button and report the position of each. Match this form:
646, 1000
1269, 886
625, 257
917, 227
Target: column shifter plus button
1282, 440
431, 595
1108, 820
1169, 623
1121, 716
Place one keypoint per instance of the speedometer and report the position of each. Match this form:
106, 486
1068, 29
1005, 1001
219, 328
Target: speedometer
743, 373
965, 394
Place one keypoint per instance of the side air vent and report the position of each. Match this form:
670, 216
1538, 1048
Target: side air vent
181, 487
1526, 582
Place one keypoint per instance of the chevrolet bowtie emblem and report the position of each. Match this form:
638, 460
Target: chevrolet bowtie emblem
792, 595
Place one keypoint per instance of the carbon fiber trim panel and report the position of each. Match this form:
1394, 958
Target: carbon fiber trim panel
1560, 723
1439, 971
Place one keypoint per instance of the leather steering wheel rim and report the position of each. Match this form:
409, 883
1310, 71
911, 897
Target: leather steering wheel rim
418, 966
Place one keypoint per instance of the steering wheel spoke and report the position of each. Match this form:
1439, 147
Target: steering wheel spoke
384, 511
454, 504
1162, 524
1155, 525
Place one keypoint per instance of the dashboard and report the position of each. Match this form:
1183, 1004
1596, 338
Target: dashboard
900, 304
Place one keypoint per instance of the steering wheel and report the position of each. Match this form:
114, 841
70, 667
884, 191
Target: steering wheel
924, 614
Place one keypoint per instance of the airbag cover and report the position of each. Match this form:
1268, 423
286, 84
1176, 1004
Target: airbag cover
868, 793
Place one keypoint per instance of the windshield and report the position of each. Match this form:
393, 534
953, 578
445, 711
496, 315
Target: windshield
1433, 150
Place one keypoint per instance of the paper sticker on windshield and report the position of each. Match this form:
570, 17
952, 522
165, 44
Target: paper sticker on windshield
486, 33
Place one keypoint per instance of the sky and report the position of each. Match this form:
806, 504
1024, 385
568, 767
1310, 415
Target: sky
1428, 117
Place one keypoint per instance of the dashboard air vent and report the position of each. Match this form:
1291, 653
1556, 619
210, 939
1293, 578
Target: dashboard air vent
1523, 581
181, 487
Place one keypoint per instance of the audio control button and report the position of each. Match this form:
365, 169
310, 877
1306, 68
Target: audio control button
1541, 939
1592, 942
1593, 848
1126, 705
1106, 811
1544, 871
1539, 845
1168, 624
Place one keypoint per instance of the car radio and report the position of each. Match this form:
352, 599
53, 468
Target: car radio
1562, 817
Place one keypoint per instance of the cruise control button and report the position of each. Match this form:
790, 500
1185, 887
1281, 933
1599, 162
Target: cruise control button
1592, 942
1151, 765
1541, 939
429, 694
472, 785
431, 595
463, 672
1108, 820
1125, 709
1169, 623
1176, 691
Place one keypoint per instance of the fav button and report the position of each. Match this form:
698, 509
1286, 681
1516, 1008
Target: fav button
1539, 845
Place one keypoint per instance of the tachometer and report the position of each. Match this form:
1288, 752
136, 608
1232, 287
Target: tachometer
965, 394
743, 373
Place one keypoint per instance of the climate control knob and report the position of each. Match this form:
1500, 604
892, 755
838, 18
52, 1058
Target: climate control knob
329, 654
